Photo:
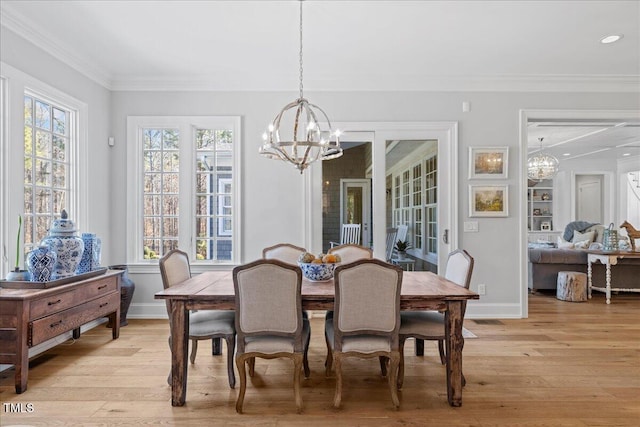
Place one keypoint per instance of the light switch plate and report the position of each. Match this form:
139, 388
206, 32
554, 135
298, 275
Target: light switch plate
471, 226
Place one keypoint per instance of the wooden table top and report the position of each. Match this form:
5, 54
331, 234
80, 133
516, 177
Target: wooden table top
419, 288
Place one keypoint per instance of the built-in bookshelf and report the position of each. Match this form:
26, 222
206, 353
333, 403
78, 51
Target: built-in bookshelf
540, 206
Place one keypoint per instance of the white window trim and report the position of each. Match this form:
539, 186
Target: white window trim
16, 84
133, 227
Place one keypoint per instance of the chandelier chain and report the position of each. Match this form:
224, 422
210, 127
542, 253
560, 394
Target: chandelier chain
301, 96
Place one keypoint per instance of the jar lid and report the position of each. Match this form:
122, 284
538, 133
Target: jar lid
62, 225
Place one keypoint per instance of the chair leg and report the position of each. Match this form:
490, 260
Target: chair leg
393, 378
242, 372
252, 366
383, 365
419, 347
194, 350
305, 359
443, 360
216, 346
401, 364
329, 361
231, 348
297, 367
337, 398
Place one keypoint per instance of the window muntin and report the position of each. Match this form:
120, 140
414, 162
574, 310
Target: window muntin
47, 167
186, 169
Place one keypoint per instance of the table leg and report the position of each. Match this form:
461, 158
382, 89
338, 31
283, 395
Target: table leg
454, 343
589, 276
608, 273
179, 352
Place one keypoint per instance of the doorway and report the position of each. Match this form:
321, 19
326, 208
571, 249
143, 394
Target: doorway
589, 203
355, 206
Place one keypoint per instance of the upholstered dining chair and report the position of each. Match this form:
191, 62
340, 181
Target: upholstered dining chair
390, 242
203, 324
366, 319
269, 320
284, 252
350, 252
429, 325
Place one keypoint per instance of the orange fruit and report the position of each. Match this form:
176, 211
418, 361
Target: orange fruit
329, 259
316, 261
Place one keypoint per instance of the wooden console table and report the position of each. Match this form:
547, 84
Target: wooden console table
608, 259
29, 317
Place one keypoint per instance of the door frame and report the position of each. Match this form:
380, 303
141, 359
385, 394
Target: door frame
365, 184
378, 133
525, 115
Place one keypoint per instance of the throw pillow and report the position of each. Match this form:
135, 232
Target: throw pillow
584, 244
579, 237
599, 232
563, 244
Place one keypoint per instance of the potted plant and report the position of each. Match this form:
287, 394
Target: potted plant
402, 246
18, 275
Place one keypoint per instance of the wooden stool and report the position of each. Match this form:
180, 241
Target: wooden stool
572, 286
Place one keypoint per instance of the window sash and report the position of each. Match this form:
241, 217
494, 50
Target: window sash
208, 174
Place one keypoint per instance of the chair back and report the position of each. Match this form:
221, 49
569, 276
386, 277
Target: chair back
391, 241
367, 300
350, 253
403, 229
284, 252
350, 234
268, 301
174, 269
459, 268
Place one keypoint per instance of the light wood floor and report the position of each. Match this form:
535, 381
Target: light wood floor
569, 364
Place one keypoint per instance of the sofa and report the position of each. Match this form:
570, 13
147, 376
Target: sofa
545, 263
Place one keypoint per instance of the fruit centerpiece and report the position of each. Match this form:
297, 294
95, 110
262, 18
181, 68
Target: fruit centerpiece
320, 268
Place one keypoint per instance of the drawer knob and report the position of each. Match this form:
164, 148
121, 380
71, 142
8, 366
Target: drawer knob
102, 287
104, 305
53, 325
54, 302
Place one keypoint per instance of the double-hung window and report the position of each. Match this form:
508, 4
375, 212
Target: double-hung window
185, 193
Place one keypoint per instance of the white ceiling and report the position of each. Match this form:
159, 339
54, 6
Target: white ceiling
349, 45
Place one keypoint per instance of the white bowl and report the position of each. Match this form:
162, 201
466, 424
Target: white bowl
317, 272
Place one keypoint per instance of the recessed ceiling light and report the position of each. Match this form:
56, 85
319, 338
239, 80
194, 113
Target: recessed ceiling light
566, 154
611, 39
626, 154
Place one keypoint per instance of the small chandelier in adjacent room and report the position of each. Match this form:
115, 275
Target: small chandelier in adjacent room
306, 141
541, 165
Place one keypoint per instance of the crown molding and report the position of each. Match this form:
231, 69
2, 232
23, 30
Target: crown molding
17, 23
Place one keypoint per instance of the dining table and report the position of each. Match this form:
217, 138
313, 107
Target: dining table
214, 290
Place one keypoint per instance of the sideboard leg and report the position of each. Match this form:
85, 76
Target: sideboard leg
76, 333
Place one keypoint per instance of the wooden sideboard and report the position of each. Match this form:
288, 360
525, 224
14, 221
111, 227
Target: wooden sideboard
29, 317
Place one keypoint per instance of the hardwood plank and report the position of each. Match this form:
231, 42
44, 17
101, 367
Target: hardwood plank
568, 364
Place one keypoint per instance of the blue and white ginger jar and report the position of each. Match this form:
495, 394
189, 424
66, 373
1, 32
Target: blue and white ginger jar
62, 239
91, 255
41, 263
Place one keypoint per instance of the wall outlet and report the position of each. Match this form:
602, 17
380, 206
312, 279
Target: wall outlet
482, 289
471, 226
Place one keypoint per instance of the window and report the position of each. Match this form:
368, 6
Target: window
186, 171
47, 165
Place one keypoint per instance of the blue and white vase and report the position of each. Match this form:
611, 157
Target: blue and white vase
41, 263
91, 256
62, 239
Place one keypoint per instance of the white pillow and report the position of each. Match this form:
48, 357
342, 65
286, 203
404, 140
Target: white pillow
579, 237
584, 244
563, 244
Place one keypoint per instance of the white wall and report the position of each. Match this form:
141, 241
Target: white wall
273, 194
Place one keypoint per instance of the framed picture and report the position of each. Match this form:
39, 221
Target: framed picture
489, 200
488, 162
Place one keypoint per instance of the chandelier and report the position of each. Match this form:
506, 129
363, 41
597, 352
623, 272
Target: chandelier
307, 141
541, 165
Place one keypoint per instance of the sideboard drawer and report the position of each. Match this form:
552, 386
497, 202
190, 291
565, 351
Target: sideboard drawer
50, 326
62, 301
